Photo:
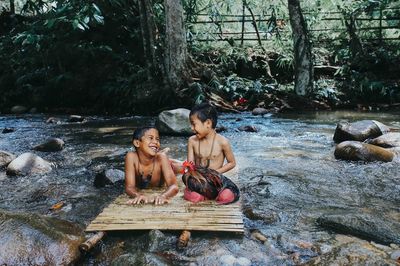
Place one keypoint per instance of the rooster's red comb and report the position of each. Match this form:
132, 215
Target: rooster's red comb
187, 167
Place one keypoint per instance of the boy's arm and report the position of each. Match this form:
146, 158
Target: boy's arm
130, 184
230, 158
170, 181
190, 155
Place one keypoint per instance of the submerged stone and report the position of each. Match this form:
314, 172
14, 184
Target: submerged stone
358, 151
6, 158
389, 140
51, 145
28, 163
364, 226
31, 239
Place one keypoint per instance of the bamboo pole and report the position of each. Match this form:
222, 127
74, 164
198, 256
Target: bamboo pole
184, 239
243, 18
92, 241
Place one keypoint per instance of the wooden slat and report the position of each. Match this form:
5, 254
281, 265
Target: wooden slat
179, 214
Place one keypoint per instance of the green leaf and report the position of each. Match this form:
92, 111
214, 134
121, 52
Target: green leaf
98, 18
49, 23
96, 8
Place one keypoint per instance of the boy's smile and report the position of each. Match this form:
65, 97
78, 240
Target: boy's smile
150, 142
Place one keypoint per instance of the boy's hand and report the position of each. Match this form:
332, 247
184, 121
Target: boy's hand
138, 199
160, 200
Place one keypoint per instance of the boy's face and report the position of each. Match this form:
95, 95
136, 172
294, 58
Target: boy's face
201, 129
149, 143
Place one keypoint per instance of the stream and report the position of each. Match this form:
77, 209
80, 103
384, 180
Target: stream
288, 176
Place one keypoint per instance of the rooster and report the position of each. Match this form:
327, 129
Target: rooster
209, 183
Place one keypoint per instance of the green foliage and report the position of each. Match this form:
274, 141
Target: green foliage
74, 54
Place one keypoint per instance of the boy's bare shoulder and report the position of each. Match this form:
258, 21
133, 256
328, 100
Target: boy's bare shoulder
222, 140
131, 154
193, 139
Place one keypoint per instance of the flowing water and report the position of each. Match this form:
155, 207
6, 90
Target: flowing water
287, 171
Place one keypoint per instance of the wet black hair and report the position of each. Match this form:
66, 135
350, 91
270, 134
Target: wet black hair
205, 111
139, 132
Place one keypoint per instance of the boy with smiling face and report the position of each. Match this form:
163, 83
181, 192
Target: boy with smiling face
208, 150
146, 168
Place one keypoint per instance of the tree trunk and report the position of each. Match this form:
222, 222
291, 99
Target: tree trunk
176, 56
149, 38
12, 7
303, 65
355, 44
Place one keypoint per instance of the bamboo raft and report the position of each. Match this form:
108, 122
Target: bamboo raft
179, 214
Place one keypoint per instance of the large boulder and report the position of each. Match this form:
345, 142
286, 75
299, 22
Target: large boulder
358, 151
174, 122
28, 163
30, 239
5, 158
389, 140
51, 145
359, 131
369, 227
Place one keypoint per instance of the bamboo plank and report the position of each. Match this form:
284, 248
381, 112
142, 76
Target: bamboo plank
179, 214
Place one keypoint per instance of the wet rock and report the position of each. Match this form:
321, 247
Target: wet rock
51, 145
248, 128
368, 227
8, 130
109, 177
352, 253
259, 111
53, 120
266, 216
259, 236
389, 140
157, 241
359, 131
174, 122
19, 109
75, 118
358, 151
128, 259
227, 260
33, 110
139, 258
242, 261
5, 158
28, 163
221, 129
395, 255
30, 239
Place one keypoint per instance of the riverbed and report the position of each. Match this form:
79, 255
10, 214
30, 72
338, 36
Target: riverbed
287, 173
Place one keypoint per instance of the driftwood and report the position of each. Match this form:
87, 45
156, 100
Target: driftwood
92, 241
219, 102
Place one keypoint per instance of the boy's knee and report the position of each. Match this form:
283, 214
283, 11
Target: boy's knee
225, 196
193, 196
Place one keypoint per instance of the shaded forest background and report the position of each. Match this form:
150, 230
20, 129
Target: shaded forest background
116, 56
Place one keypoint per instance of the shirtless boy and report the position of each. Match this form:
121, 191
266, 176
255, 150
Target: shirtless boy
209, 150
146, 167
